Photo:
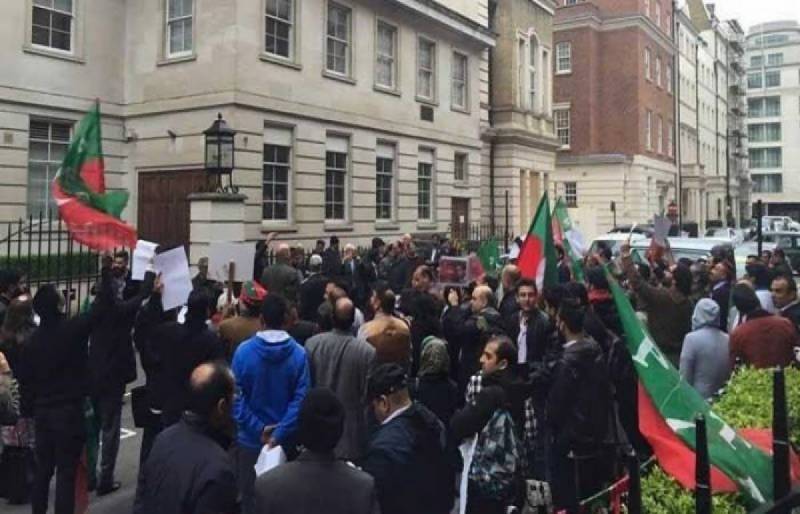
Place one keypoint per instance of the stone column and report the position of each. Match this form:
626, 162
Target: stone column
214, 217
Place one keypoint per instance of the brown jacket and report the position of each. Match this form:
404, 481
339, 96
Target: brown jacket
764, 341
391, 338
236, 330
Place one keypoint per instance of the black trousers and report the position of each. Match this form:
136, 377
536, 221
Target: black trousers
108, 412
60, 438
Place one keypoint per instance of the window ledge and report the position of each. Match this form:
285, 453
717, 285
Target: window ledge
461, 184
426, 101
387, 90
427, 225
564, 148
277, 226
337, 226
340, 78
166, 61
280, 61
462, 110
386, 225
564, 72
56, 54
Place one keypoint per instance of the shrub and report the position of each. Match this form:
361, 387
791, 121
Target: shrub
661, 494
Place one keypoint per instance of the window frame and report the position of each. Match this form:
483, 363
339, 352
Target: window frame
659, 81
348, 73
648, 130
532, 69
395, 61
50, 205
560, 130
669, 78
670, 139
168, 54
294, 25
454, 106
288, 165
431, 179
571, 197
648, 58
464, 157
433, 71
659, 134
346, 173
49, 49
772, 73
393, 186
559, 57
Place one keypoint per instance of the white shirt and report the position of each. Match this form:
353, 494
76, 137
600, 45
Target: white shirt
396, 413
522, 341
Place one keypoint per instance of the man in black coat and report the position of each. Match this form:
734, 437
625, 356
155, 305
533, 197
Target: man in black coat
510, 278
408, 456
54, 369
189, 470
312, 290
332, 259
784, 296
721, 278
530, 328
112, 361
316, 482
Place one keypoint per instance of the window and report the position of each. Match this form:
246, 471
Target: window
52, 24
458, 89
522, 59
48, 144
755, 80
659, 135
648, 130
426, 69
772, 78
278, 27
179, 27
570, 2
647, 8
764, 132
647, 72
669, 78
564, 57
425, 185
277, 166
658, 71
385, 60
571, 194
756, 61
763, 106
767, 183
532, 51
658, 13
670, 140
774, 59
562, 126
460, 167
384, 182
766, 157
336, 178
338, 39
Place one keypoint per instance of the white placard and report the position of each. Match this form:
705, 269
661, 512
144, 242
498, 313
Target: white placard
142, 256
173, 266
467, 450
269, 458
221, 254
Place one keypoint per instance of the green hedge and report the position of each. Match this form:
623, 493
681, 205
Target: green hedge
41, 268
746, 402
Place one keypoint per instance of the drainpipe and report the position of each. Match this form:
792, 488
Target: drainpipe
676, 106
492, 7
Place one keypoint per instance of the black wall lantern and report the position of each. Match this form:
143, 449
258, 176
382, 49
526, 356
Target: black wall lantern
220, 153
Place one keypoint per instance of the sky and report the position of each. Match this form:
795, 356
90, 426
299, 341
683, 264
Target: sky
753, 12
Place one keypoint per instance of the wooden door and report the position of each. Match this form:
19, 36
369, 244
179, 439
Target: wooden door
164, 207
459, 217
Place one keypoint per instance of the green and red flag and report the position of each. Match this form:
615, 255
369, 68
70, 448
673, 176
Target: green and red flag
90, 213
537, 257
565, 233
668, 406
489, 254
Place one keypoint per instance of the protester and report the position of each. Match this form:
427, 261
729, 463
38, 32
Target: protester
55, 364
761, 339
388, 261
332, 259
281, 278
433, 387
272, 378
112, 361
509, 278
312, 290
9, 289
201, 281
669, 310
408, 455
529, 327
721, 283
317, 481
9, 397
758, 276
705, 357
784, 296
188, 470
233, 331
423, 311
341, 362
579, 410
389, 334
779, 265
301, 330
352, 274
498, 414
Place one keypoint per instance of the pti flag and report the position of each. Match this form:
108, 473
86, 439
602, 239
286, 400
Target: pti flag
668, 406
537, 258
90, 213
569, 237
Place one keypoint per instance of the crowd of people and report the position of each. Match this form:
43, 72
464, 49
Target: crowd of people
386, 390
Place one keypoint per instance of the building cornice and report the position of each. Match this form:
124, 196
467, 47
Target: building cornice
592, 160
589, 20
451, 19
548, 5
512, 136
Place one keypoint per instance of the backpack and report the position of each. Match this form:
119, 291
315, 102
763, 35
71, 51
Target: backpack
497, 463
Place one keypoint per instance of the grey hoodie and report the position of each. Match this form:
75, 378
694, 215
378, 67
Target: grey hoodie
705, 358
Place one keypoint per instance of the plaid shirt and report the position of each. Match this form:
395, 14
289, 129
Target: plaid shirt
529, 434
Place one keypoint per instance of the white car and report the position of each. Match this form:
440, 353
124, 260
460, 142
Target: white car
614, 241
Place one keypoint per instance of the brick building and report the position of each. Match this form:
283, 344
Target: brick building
614, 110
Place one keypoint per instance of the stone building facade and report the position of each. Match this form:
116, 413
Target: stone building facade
357, 118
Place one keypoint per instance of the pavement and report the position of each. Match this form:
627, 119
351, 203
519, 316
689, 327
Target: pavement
121, 501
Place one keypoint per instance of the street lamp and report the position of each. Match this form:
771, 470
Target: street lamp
220, 149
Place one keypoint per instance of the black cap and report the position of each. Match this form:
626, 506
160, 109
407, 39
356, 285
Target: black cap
320, 420
386, 379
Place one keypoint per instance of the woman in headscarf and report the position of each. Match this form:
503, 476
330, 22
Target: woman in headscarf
433, 386
705, 357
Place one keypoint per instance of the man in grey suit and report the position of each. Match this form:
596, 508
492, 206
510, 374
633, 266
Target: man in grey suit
341, 363
316, 482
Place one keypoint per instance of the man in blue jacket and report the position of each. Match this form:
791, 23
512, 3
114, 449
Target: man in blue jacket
272, 379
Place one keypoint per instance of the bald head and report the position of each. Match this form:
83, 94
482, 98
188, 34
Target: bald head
210, 383
343, 314
284, 252
482, 297
510, 277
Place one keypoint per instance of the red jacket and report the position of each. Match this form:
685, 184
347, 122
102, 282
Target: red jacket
764, 341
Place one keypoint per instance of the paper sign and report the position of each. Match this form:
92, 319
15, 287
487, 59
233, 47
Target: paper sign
269, 458
467, 450
173, 266
142, 255
661, 226
221, 254
454, 271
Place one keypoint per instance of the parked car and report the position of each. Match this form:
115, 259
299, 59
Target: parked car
685, 247
789, 242
735, 236
744, 250
777, 224
614, 241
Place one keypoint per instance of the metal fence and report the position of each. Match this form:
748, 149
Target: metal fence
470, 236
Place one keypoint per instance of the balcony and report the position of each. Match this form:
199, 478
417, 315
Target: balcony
737, 89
